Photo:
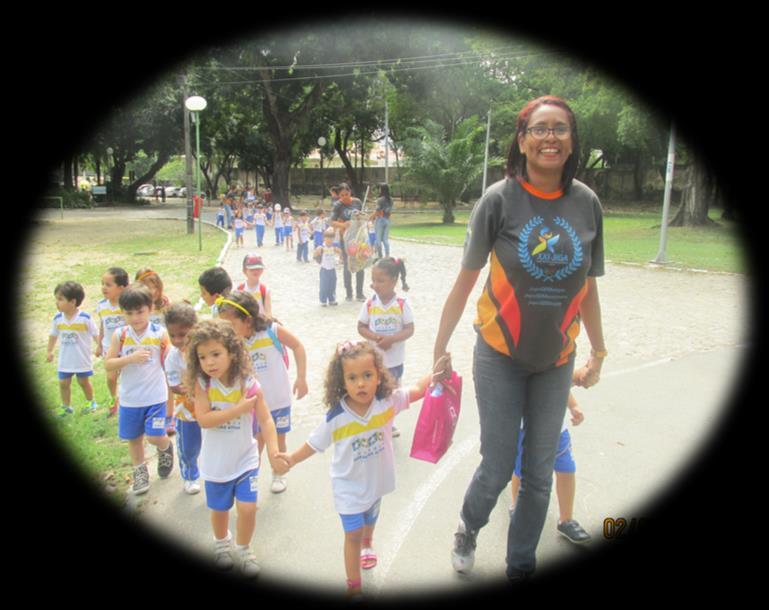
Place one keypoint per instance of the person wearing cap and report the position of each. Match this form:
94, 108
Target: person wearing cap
253, 267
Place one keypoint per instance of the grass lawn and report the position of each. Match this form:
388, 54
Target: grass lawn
82, 250
630, 235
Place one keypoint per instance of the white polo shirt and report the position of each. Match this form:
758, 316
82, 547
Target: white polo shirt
75, 335
363, 466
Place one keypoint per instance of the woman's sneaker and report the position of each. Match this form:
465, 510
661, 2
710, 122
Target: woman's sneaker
222, 553
141, 479
463, 554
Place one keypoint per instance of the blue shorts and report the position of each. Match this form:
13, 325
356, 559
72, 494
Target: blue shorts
135, 421
221, 496
63, 376
564, 460
287, 231
238, 232
350, 523
282, 419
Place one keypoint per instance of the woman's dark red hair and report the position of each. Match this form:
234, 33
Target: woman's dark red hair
516, 161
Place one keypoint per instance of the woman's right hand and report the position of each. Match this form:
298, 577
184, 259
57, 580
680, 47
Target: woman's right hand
442, 367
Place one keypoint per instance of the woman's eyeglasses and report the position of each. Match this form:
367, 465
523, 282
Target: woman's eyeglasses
539, 132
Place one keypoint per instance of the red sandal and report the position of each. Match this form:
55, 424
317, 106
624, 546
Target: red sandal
368, 558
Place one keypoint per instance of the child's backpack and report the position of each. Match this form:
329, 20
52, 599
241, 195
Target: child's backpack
262, 290
278, 345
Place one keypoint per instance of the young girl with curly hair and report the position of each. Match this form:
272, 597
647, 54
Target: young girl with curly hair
362, 400
227, 397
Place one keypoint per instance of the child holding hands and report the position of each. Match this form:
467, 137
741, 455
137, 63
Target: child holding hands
227, 399
362, 400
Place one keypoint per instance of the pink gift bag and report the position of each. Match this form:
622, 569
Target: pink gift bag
437, 419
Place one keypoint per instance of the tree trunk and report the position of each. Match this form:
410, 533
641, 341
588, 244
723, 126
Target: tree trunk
695, 199
448, 213
67, 173
341, 149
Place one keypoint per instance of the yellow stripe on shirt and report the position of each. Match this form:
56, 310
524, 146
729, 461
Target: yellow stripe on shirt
146, 341
356, 428
216, 395
396, 309
76, 326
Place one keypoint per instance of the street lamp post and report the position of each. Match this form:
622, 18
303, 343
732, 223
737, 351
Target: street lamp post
321, 144
195, 105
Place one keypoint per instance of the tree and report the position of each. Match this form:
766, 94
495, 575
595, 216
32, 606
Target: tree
151, 125
701, 191
447, 166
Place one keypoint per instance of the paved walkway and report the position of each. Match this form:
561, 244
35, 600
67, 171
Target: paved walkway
676, 340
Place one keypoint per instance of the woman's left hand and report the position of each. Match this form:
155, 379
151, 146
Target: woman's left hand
590, 374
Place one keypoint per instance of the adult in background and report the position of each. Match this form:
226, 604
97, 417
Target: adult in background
381, 218
543, 231
340, 219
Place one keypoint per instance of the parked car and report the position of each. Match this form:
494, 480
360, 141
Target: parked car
145, 190
182, 192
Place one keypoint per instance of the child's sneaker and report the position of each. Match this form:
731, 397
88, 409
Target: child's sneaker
141, 479
165, 461
573, 532
90, 408
65, 410
463, 555
191, 487
278, 484
248, 563
222, 554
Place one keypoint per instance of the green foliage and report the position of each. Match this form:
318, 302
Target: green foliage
446, 166
72, 199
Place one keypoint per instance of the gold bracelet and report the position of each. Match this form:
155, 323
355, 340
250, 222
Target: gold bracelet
599, 354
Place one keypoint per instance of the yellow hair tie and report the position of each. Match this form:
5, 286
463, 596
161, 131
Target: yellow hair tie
144, 275
222, 301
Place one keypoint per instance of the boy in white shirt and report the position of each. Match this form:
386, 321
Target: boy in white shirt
76, 329
137, 351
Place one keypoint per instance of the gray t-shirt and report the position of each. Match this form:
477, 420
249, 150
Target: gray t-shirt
542, 249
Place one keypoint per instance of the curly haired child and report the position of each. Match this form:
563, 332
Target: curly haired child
227, 399
362, 401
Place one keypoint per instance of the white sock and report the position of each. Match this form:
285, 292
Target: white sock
227, 538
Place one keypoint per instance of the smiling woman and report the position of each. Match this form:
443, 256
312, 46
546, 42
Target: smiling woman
543, 232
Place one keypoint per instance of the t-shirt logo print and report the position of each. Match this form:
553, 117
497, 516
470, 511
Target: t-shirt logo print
549, 260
